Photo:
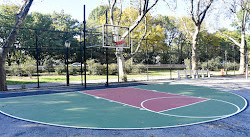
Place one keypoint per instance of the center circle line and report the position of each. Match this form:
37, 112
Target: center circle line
221, 116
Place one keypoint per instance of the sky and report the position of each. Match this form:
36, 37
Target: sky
75, 8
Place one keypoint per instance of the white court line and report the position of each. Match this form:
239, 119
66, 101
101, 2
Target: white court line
170, 93
238, 109
57, 125
165, 113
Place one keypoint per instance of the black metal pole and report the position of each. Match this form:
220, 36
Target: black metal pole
67, 63
246, 59
107, 60
234, 58
207, 54
37, 69
81, 54
190, 56
147, 57
84, 43
170, 61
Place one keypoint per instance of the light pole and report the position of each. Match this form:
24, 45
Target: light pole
67, 45
1, 51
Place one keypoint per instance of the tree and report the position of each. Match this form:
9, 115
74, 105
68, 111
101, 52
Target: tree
198, 11
240, 10
144, 8
4, 50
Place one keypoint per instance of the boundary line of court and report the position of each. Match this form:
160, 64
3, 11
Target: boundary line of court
190, 105
57, 125
143, 108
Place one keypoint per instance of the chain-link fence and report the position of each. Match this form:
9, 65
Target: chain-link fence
42, 58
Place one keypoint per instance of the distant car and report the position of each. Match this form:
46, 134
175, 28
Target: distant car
76, 64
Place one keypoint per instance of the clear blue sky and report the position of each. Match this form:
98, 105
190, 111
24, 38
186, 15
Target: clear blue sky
75, 8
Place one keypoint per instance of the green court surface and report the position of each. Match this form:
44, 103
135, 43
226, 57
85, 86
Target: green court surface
76, 109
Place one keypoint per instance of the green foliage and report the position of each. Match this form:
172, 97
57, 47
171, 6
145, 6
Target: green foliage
73, 70
233, 65
29, 66
112, 68
15, 70
48, 64
60, 69
134, 69
138, 68
25, 69
213, 64
187, 63
95, 68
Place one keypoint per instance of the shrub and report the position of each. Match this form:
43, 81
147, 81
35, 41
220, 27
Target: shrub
16, 70
187, 63
95, 68
128, 67
213, 64
73, 70
231, 65
29, 66
25, 69
48, 65
112, 68
138, 68
60, 69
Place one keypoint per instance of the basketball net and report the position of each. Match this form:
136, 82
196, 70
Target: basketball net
120, 44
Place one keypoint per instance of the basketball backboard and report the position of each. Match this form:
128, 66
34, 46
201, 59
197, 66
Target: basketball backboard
112, 36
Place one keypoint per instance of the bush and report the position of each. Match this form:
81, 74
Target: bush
74, 70
138, 68
112, 68
25, 69
60, 69
128, 67
187, 63
16, 70
213, 64
48, 65
231, 65
29, 66
95, 68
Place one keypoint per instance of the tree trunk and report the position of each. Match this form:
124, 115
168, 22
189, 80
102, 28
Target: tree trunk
20, 17
3, 82
242, 53
121, 65
194, 48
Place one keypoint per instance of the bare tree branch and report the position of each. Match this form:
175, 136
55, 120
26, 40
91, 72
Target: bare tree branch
112, 11
140, 42
203, 13
233, 40
139, 18
186, 29
192, 12
120, 15
233, 10
20, 17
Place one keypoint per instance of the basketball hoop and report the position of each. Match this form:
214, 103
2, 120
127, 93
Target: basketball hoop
120, 44
115, 39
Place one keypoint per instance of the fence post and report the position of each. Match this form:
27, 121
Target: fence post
37, 63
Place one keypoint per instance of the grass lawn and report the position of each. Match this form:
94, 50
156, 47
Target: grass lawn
62, 78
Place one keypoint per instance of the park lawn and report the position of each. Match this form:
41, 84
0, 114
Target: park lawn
62, 78
51, 79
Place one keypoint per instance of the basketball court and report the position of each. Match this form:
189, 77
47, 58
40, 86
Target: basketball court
128, 107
